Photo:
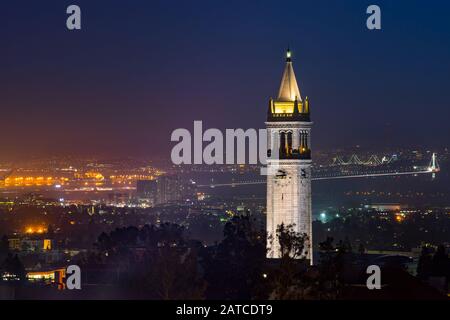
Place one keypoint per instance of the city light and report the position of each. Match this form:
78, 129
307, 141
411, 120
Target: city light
35, 230
400, 217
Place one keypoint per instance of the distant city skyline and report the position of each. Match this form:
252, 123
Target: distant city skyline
137, 71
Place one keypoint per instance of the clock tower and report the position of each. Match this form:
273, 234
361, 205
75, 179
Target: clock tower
289, 161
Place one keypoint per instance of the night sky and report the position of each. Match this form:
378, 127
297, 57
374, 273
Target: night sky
139, 69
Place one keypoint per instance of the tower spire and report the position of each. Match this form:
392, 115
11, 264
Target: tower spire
289, 88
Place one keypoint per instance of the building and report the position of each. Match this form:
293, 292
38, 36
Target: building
119, 198
50, 276
147, 190
289, 161
30, 243
168, 189
173, 188
165, 189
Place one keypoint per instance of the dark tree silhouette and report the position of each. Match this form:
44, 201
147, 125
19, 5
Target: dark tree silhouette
233, 268
424, 266
330, 268
361, 248
4, 246
13, 266
292, 245
289, 279
156, 261
440, 263
173, 273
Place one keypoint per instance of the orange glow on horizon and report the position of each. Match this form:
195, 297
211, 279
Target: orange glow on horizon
35, 229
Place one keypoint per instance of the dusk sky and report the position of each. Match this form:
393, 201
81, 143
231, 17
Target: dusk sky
140, 69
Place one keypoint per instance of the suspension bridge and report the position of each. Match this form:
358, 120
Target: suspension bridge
373, 160
432, 168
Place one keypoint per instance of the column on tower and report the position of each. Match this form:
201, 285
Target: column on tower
270, 143
289, 143
282, 144
302, 141
305, 140
309, 140
296, 139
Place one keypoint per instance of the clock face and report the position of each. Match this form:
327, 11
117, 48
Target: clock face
282, 178
303, 173
281, 174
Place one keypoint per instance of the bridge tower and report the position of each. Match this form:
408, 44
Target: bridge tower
289, 161
433, 167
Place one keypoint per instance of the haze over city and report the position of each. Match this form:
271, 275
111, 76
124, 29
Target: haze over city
135, 72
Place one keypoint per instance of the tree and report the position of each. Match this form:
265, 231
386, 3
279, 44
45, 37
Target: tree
292, 244
348, 245
172, 274
330, 267
290, 280
424, 266
234, 267
104, 242
4, 246
361, 248
13, 266
156, 261
327, 245
440, 263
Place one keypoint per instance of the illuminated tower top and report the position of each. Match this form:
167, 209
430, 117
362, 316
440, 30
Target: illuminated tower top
289, 105
289, 88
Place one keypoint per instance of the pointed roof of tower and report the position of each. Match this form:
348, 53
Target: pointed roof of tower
289, 88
